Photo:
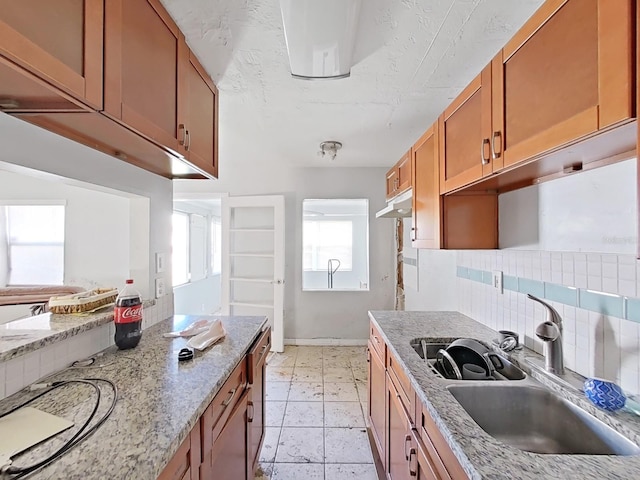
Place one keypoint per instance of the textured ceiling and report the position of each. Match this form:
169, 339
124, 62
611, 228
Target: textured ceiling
412, 57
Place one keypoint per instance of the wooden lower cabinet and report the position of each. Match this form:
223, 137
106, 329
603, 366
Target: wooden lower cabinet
376, 400
185, 464
227, 460
257, 365
225, 442
407, 438
399, 439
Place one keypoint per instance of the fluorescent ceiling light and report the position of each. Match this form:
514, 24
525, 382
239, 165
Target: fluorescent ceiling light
320, 36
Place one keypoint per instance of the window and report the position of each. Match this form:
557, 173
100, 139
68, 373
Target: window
34, 236
180, 248
326, 240
335, 239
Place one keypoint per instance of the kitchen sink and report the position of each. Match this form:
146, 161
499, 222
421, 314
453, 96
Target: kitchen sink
536, 420
508, 371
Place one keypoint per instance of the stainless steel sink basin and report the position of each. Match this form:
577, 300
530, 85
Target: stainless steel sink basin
536, 420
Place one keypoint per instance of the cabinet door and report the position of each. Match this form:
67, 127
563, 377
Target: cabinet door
257, 363
436, 450
404, 173
376, 400
392, 182
399, 441
185, 464
227, 460
565, 75
420, 462
200, 125
464, 131
143, 48
59, 42
426, 200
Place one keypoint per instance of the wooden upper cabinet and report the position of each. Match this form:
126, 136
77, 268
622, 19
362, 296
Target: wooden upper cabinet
426, 199
199, 120
142, 56
51, 55
464, 135
565, 75
392, 182
399, 176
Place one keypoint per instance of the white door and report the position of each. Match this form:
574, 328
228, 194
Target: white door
253, 260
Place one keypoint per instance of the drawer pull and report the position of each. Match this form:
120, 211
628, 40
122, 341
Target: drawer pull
406, 439
250, 416
413, 470
485, 160
496, 155
232, 394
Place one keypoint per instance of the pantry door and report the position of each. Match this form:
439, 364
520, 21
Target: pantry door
253, 260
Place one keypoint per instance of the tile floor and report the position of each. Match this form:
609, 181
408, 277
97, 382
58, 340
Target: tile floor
315, 415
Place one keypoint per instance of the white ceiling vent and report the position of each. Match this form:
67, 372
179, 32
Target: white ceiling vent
320, 36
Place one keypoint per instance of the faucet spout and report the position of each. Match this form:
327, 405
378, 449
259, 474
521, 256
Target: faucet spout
550, 332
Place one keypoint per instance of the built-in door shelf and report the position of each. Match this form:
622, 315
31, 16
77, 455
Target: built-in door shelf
256, 305
251, 279
254, 254
251, 230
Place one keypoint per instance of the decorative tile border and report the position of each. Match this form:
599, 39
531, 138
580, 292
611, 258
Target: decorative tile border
410, 261
594, 301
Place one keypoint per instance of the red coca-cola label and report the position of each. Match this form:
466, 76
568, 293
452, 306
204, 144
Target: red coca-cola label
127, 314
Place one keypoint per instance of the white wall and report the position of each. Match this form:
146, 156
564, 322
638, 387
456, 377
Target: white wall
318, 316
29, 146
592, 211
94, 256
196, 298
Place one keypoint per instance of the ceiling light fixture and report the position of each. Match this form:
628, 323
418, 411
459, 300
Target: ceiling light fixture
330, 148
320, 36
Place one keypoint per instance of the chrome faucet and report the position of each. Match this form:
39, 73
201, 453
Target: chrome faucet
550, 332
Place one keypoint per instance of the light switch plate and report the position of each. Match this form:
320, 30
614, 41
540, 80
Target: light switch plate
160, 289
160, 262
496, 280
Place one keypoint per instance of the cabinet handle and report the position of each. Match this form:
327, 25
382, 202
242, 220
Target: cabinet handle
485, 160
407, 439
368, 355
413, 234
413, 471
183, 139
232, 394
187, 135
250, 417
376, 339
495, 155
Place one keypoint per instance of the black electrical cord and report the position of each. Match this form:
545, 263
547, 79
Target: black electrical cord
79, 436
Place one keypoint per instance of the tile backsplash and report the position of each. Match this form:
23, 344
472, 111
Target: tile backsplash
24, 370
601, 332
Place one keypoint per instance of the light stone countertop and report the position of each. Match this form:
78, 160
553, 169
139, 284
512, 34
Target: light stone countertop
159, 402
482, 456
25, 335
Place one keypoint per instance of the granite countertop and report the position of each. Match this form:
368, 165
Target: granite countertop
25, 335
159, 402
480, 454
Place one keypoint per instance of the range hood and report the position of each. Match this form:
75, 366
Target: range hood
399, 206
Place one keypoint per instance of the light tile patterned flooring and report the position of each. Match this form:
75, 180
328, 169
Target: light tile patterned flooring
315, 415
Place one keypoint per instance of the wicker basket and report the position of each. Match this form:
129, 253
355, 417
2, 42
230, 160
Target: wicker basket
84, 301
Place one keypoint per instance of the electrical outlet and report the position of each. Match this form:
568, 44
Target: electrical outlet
496, 280
160, 289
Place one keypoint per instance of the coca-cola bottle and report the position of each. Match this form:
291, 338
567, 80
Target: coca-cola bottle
127, 316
